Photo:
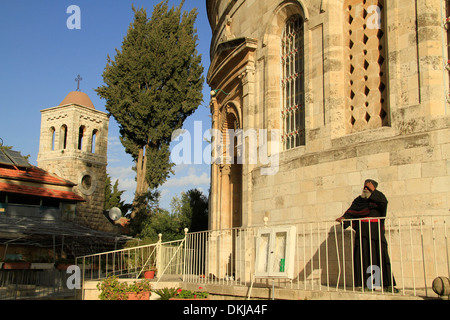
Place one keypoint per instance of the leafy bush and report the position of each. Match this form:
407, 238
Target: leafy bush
112, 289
166, 293
188, 294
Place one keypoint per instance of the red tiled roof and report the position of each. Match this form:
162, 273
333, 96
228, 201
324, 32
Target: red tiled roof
40, 192
33, 174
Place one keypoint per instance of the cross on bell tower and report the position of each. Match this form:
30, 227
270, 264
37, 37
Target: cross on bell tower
78, 79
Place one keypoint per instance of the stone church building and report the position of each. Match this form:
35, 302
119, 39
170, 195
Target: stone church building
343, 90
73, 145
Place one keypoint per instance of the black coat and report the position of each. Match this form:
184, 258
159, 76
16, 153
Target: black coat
373, 207
370, 245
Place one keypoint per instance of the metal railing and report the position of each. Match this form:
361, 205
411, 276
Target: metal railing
34, 284
414, 251
325, 256
164, 257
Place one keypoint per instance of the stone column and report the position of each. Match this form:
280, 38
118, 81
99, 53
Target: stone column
248, 121
225, 197
215, 172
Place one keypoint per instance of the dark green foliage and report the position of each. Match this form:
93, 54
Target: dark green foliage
154, 83
190, 211
147, 205
199, 204
162, 222
113, 196
166, 293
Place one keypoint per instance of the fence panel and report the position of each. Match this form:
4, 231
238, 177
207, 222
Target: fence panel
404, 254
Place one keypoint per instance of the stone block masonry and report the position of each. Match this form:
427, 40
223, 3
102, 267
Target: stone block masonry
73, 145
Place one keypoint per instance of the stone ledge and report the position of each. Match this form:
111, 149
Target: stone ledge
234, 292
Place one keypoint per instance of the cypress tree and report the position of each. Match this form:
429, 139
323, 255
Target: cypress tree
151, 86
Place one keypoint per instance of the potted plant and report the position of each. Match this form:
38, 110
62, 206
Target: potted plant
183, 294
139, 290
150, 274
112, 289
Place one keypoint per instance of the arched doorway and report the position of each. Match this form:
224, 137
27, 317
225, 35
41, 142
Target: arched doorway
231, 171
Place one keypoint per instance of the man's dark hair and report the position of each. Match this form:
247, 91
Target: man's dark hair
375, 184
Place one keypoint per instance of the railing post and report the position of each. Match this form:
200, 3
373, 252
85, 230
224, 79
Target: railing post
446, 246
423, 258
158, 254
185, 253
82, 281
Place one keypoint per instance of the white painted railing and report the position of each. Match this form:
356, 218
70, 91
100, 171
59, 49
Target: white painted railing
418, 248
166, 258
322, 259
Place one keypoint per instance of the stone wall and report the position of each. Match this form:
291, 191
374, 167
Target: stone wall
403, 143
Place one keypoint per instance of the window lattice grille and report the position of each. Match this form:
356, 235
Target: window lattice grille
366, 50
293, 84
447, 19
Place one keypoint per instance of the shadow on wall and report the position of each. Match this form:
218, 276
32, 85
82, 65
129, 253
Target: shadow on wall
326, 257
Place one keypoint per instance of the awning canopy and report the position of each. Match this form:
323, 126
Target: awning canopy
42, 233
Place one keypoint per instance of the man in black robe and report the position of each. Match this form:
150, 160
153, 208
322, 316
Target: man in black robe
370, 245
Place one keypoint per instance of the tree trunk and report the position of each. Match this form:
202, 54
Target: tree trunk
142, 185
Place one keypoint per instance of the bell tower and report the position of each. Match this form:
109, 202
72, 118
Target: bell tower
73, 145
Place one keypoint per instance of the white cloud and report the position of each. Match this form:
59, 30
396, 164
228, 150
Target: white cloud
115, 150
186, 177
127, 181
192, 180
113, 141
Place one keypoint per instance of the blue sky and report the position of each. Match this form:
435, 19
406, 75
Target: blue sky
40, 59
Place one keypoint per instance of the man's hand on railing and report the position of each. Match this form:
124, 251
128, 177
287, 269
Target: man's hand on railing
340, 219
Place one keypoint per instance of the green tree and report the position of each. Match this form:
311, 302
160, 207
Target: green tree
113, 196
148, 204
189, 210
192, 210
181, 209
171, 227
198, 204
152, 86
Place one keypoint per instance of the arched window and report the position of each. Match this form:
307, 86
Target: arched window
52, 133
63, 137
293, 83
447, 19
80, 137
94, 140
